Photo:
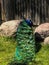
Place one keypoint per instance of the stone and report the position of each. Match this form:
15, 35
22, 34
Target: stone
9, 28
42, 31
46, 41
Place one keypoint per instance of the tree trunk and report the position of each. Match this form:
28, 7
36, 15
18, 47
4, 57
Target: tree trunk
0, 9
8, 9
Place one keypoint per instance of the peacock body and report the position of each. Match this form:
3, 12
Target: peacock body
25, 49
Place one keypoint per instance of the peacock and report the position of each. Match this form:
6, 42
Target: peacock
25, 49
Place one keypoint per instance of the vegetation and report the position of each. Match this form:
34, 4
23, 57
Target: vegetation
42, 57
7, 50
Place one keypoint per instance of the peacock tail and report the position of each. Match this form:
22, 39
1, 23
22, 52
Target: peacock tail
25, 49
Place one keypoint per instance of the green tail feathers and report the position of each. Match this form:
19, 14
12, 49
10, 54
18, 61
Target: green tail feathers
25, 50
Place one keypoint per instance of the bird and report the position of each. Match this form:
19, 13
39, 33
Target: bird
28, 21
24, 52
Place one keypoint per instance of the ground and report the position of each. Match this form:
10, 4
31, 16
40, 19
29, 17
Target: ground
7, 50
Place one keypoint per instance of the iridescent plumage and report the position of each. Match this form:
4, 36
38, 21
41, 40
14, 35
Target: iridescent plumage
25, 49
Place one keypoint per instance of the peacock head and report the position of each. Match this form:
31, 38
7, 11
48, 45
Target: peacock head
28, 21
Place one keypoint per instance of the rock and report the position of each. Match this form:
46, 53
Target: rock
46, 41
9, 28
42, 31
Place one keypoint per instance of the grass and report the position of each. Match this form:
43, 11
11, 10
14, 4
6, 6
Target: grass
7, 50
42, 57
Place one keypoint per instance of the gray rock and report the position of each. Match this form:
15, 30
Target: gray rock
9, 28
42, 31
46, 41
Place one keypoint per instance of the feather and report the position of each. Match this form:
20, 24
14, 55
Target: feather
25, 49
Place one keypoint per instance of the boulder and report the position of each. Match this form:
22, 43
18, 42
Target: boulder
46, 41
42, 31
9, 28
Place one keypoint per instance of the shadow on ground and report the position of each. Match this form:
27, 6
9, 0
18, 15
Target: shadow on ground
15, 63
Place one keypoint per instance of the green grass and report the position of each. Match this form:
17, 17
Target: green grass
7, 50
42, 57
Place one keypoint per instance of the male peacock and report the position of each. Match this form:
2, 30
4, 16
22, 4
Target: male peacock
25, 50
